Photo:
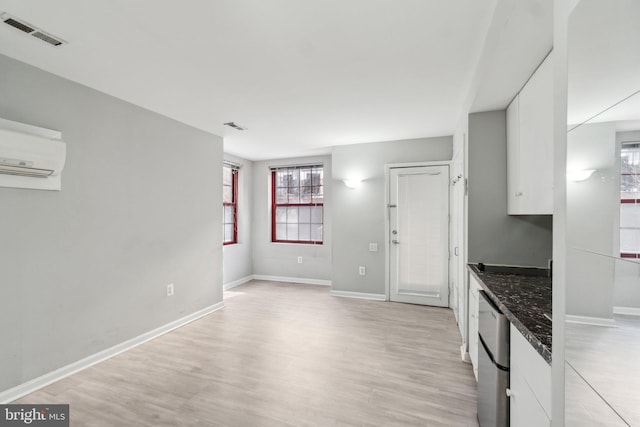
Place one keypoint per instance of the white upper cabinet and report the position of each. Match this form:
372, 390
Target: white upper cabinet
530, 145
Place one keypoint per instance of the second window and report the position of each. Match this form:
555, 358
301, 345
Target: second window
297, 198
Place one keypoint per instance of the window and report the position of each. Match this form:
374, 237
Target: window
229, 204
630, 200
297, 204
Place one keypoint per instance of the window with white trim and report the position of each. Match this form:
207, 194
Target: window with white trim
297, 204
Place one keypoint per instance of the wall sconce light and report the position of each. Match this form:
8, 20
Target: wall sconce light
352, 183
580, 175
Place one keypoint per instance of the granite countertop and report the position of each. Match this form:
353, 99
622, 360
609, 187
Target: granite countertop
523, 295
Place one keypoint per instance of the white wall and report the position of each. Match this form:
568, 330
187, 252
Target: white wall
238, 257
493, 236
593, 211
86, 268
359, 214
281, 259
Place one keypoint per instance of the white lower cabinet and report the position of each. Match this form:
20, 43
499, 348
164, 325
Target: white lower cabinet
530, 384
474, 288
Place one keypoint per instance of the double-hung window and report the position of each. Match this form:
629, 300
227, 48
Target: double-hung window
630, 200
229, 203
297, 204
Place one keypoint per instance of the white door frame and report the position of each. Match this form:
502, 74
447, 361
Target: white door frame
387, 226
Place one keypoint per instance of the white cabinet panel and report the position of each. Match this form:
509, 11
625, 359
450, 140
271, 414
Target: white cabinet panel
514, 192
474, 287
530, 145
530, 384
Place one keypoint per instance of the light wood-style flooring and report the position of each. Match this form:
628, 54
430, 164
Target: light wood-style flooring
602, 374
282, 354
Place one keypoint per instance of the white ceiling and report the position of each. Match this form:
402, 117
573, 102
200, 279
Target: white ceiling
302, 76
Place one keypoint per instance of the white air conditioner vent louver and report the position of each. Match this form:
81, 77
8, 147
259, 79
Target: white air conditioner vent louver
31, 30
30, 157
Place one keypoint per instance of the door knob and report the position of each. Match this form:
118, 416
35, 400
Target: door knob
395, 242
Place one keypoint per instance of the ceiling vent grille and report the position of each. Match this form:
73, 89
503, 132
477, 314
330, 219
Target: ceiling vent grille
235, 126
31, 30
19, 25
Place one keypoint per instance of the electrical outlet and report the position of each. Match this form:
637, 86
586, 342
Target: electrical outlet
362, 270
299, 260
373, 247
170, 289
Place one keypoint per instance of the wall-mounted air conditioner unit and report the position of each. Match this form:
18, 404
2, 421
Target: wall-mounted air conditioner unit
30, 157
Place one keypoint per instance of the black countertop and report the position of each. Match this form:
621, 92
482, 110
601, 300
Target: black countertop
524, 296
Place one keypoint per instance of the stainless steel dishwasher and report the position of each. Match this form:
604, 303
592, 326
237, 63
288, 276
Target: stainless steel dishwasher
493, 364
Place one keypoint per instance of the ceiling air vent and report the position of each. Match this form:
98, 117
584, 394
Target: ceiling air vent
19, 25
31, 30
235, 126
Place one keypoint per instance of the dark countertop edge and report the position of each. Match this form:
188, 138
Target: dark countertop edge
529, 336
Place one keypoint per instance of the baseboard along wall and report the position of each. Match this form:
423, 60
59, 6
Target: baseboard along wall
72, 368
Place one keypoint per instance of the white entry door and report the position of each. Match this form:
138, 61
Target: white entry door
419, 235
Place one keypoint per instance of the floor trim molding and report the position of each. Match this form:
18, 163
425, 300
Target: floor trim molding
627, 311
594, 321
238, 282
360, 295
292, 280
60, 373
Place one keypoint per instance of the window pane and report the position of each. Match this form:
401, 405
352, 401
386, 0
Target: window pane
292, 215
227, 174
304, 215
294, 195
630, 215
317, 177
227, 194
228, 232
304, 231
228, 214
316, 214
629, 240
281, 195
281, 215
317, 193
305, 194
280, 179
292, 231
316, 233
281, 231
305, 177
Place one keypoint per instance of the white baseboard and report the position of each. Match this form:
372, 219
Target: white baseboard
60, 373
361, 295
292, 280
627, 311
594, 321
238, 282
464, 354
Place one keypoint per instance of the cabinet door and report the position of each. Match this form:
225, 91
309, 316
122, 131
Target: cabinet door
524, 409
536, 142
514, 190
474, 287
530, 384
